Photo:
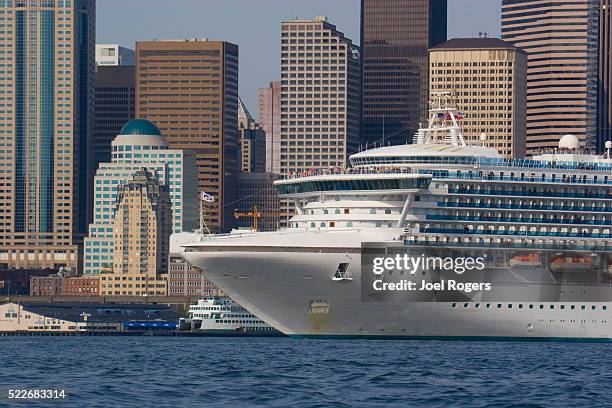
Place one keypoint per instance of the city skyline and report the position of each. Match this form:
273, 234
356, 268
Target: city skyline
260, 51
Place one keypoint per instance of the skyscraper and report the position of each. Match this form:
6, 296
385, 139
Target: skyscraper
115, 103
486, 78
252, 142
190, 90
113, 55
395, 38
561, 40
320, 97
270, 121
45, 130
604, 88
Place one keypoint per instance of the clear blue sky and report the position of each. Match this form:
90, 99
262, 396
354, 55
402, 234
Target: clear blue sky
255, 26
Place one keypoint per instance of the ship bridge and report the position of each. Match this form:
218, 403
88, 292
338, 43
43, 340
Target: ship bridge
349, 198
352, 183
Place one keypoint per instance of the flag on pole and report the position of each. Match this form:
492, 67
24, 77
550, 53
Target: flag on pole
207, 197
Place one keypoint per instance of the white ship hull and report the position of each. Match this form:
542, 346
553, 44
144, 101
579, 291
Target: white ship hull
293, 292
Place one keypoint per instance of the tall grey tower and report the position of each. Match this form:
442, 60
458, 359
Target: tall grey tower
395, 40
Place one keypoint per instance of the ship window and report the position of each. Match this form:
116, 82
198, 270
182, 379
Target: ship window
541, 306
322, 224
520, 306
531, 306
347, 211
499, 305
349, 224
604, 307
465, 305
454, 305
573, 307
332, 224
552, 306
488, 305
562, 307
509, 305
593, 307
373, 211
583, 307
477, 305
312, 224
387, 211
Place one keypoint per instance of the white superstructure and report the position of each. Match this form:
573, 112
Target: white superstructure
545, 222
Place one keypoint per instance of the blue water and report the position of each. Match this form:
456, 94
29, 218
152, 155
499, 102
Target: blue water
282, 372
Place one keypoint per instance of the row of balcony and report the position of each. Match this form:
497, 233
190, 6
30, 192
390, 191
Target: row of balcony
451, 190
578, 208
574, 179
517, 245
481, 231
521, 220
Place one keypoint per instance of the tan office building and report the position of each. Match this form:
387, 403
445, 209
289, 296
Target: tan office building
142, 228
320, 97
190, 90
47, 81
487, 79
561, 39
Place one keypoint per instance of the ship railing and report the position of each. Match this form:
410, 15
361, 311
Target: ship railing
479, 161
451, 175
350, 170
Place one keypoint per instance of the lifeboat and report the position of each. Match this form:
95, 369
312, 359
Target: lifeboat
526, 260
571, 264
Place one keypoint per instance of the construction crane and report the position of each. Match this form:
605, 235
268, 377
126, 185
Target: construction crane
254, 214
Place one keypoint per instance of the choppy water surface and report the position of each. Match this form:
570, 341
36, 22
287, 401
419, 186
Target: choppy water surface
282, 372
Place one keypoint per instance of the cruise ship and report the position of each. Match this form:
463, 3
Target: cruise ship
543, 223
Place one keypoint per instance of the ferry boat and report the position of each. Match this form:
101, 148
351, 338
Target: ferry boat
222, 316
538, 221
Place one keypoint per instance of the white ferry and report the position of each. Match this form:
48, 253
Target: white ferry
222, 316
